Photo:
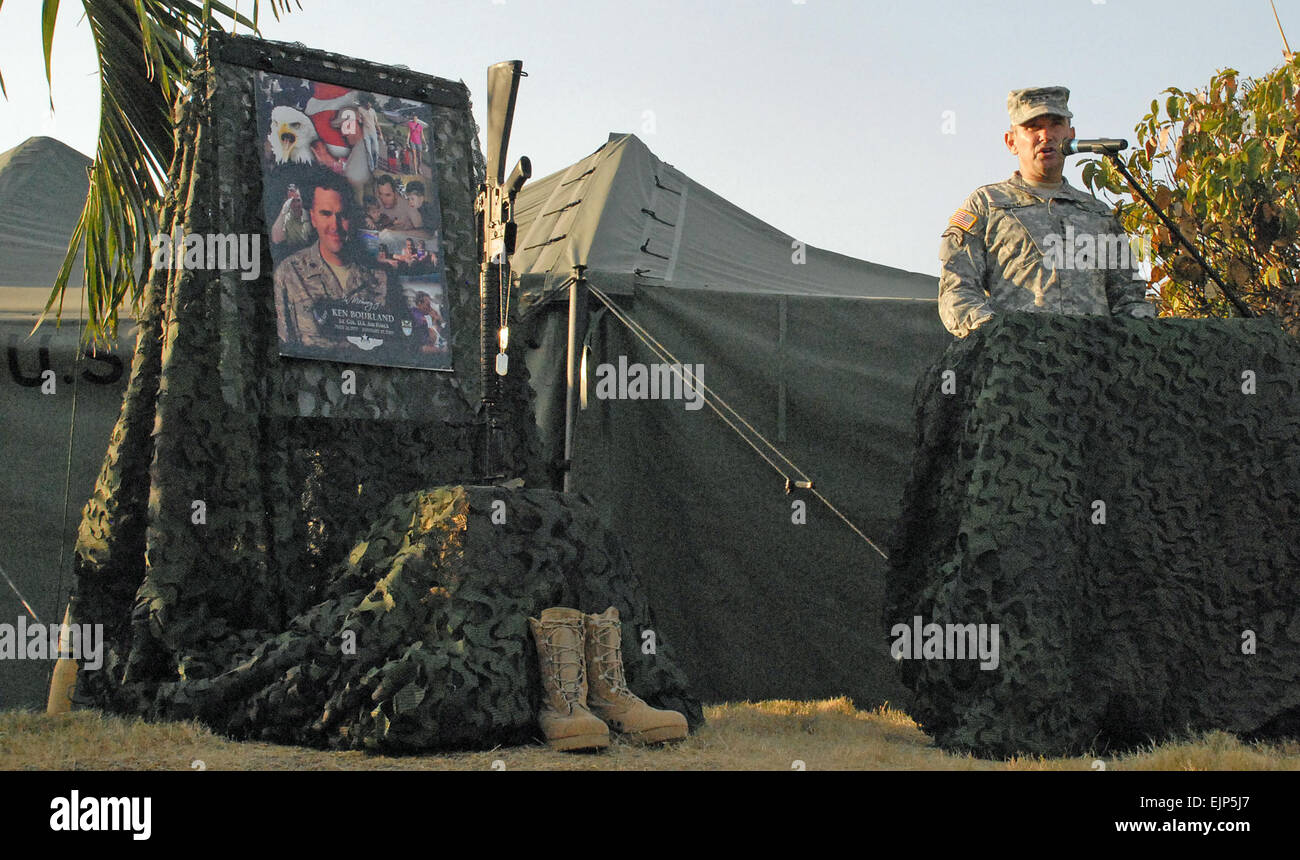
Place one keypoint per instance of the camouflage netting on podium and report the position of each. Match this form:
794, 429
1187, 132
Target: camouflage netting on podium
237, 482
1122, 497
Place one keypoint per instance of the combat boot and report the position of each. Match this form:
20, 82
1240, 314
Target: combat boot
565, 720
610, 699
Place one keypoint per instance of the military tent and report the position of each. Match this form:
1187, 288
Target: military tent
764, 593
51, 460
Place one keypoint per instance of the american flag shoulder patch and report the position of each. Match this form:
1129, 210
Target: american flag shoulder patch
963, 219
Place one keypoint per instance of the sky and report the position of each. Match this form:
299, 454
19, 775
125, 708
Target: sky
857, 126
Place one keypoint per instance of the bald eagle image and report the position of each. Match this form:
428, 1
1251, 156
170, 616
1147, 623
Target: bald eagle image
291, 136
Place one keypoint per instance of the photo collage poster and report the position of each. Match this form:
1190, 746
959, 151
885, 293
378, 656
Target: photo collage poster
352, 209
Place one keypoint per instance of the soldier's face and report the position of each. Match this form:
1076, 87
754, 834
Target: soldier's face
329, 218
1037, 144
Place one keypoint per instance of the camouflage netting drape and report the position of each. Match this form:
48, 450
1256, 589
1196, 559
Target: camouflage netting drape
1181, 609
252, 520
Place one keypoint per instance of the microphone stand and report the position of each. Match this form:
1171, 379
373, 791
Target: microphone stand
1241, 306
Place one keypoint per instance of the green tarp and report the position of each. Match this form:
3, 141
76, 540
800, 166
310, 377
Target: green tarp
769, 598
53, 438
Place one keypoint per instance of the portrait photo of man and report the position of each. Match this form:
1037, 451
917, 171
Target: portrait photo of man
328, 276
350, 243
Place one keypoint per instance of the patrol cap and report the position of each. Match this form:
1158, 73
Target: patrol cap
1024, 105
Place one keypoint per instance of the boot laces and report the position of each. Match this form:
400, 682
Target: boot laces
562, 656
608, 655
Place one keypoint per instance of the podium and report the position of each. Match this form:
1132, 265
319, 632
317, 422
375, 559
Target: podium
1121, 498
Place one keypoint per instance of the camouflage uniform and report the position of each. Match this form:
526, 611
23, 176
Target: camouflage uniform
1007, 250
303, 279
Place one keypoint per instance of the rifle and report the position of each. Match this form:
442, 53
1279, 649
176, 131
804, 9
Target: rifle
494, 217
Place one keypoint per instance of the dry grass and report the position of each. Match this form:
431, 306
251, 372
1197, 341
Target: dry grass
773, 735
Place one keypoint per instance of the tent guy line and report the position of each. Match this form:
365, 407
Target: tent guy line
673, 362
662, 352
14, 588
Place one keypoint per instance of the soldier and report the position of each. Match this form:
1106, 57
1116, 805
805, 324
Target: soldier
1034, 242
324, 272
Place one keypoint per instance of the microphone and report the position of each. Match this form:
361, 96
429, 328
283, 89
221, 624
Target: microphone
1097, 145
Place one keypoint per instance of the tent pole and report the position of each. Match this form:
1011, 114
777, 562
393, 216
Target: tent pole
577, 326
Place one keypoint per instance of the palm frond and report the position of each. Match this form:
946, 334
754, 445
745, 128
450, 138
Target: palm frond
145, 48
49, 13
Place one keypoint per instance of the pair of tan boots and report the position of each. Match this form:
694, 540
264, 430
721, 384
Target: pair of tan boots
584, 690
